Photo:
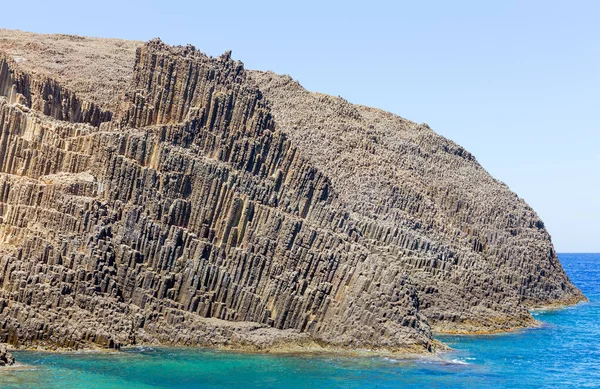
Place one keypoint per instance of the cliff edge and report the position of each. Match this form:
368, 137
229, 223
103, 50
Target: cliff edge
153, 194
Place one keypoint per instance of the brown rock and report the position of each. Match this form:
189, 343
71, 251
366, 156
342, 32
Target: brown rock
203, 204
6, 358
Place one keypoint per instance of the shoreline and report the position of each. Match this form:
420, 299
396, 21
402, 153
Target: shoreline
287, 350
558, 306
534, 323
398, 356
314, 348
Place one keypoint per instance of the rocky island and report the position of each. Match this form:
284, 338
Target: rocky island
152, 194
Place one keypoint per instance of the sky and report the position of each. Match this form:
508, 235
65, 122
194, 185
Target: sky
517, 83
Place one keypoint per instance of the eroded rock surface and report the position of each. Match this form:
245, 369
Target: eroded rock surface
203, 204
6, 358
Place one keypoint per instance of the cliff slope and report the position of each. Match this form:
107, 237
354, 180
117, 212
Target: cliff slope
150, 193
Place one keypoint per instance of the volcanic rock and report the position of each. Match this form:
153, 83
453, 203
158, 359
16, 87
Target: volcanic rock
6, 358
153, 194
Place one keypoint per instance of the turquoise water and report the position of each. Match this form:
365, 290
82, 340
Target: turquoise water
564, 353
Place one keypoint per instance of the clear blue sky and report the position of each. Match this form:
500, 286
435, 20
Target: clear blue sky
517, 83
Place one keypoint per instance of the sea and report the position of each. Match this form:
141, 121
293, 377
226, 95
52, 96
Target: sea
563, 353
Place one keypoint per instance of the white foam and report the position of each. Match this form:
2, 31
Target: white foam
456, 362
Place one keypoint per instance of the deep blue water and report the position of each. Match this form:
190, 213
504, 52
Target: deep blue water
564, 353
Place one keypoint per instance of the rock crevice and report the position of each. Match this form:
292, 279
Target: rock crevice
218, 206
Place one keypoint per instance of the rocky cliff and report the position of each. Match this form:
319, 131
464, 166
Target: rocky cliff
151, 193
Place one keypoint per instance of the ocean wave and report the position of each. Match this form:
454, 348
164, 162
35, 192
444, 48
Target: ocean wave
142, 349
457, 362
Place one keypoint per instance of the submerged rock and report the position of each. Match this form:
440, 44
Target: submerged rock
151, 193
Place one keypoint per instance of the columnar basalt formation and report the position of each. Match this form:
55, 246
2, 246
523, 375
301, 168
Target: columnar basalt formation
203, 204
478, 252
46, 96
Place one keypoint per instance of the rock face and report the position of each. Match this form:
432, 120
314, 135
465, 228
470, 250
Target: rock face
204, 204
6, 358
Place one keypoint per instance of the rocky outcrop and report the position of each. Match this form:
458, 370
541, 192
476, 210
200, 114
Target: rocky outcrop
6, 358
46, 96
97, 69
220, 207
478, 253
